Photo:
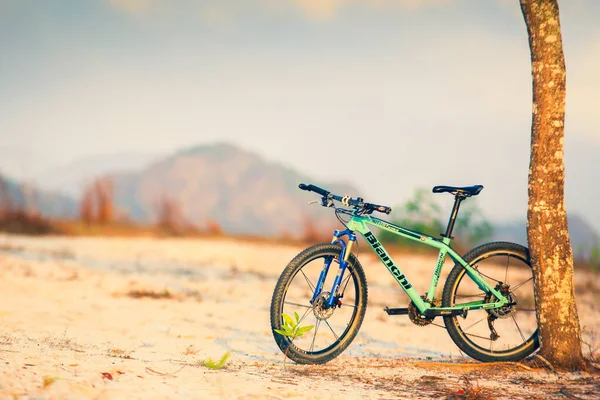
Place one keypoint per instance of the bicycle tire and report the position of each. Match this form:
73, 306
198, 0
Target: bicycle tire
452, 323
356, 272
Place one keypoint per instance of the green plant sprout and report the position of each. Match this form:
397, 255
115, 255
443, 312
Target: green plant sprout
210, 363
292, 329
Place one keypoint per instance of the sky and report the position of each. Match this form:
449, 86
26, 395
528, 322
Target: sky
388, 95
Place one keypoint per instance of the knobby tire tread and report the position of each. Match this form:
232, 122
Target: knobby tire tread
452, 326
305, 256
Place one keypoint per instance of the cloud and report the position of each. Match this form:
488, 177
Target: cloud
217, 14
319, 9
326, 9
219, 11
134, 7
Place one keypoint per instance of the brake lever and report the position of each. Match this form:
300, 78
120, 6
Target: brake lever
327, 201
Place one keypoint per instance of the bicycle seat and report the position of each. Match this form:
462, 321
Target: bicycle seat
467, 190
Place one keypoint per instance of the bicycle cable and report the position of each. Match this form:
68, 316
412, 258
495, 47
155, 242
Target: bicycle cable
346, 226
337, 215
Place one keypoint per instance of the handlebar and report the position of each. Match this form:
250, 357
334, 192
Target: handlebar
346, 200
313, 188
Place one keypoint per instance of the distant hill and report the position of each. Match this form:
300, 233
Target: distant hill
240, 190
583, 236
72, 178
49, 204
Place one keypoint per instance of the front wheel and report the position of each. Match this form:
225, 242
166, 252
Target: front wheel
334, 327
509, 333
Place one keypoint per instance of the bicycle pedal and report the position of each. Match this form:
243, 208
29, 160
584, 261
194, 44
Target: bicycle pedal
396, 311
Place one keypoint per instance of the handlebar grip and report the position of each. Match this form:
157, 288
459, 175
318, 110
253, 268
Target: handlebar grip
377, 207
313, 188
385, 209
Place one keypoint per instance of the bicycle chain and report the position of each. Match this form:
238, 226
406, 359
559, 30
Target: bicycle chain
416, 318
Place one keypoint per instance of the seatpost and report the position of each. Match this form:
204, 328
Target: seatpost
457, 199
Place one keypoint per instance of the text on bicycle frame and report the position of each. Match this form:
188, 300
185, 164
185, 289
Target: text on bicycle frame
385, 258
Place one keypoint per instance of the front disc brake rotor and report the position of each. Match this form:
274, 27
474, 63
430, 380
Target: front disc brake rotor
320, 309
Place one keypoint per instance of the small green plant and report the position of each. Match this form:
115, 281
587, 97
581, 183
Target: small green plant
210, 363
49, 380
292, 329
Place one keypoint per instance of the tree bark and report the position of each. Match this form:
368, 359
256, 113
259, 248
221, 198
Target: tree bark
547, 234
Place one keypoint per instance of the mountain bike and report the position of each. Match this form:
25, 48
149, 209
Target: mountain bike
487, 302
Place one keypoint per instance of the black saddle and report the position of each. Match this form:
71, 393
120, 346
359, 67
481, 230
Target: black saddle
462, 190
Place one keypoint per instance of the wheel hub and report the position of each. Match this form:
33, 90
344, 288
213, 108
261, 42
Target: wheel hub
506, 310
320, 308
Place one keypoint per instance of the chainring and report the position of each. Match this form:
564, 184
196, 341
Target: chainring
416, 318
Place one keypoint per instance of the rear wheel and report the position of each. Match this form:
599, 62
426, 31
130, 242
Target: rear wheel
509, 333
334, 327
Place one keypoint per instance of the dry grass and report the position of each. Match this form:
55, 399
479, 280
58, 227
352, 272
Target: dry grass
149, 293
160, 294
6, 340
190, 350
382, 374
23, 223
468, 391
469, 367
589, 340
63, 343
118, 353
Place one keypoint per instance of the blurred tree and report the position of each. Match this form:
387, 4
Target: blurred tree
104, 193
170, 216
423, 214
97, 203
471, 227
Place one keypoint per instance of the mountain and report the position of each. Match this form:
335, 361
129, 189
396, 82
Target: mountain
72, 178
49, 204
582, 234
241, 191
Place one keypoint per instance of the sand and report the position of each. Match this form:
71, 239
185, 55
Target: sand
76, 323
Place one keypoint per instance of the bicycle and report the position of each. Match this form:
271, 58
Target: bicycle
470, 288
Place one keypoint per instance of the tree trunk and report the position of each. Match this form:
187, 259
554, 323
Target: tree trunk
547, 234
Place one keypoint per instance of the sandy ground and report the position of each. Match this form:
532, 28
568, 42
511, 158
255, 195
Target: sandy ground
70, 328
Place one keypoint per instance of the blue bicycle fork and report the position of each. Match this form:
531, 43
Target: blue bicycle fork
344, 254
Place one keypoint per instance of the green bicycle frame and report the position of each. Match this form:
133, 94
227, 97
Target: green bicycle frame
359, 224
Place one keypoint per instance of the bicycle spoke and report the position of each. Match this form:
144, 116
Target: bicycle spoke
521, 284
349, 305
312, 344
297, 304
506, 271
478, 336
489, 277
521, 333
345, 283
465, 330
304, 315
310, 285
330, 328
